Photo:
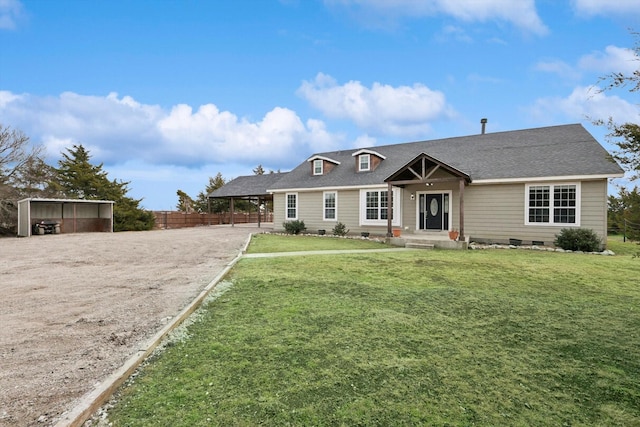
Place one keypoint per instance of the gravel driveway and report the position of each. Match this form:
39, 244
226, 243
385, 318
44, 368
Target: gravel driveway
75, 307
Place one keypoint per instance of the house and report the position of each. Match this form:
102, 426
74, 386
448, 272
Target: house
526, 185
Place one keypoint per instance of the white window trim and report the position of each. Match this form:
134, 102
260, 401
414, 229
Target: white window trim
286, 206
551, 222
362, 156
397, 207
324, 206
321, 162
448, 208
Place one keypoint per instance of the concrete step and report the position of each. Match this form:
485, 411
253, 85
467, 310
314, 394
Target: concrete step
419, 245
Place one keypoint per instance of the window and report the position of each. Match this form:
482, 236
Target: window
330, 206
374, 206
317, 167
377, 204
365, 162
292, 206
564, 204
553, 204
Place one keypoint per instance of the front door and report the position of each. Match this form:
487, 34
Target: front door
434, 215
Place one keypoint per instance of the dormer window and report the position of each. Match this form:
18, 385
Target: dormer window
321, 165
365, 162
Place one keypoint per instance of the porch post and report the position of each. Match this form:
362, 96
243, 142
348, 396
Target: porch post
389, 208
461, 210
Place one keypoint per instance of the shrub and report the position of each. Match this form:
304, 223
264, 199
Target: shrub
578, 239
340, 229
294, 227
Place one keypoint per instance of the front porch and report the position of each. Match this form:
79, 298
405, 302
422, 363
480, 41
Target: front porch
432, 204
427, 240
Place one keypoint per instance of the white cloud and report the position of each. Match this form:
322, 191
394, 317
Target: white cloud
364, 141
381, 109
11, 11
605, 7
586, 102
521, 13
118, 129
613, 59
560, 68
454, 32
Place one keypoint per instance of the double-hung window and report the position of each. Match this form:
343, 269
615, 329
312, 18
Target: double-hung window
374, 207
556, 204
330, 200
318, 167
291, 206
364, 162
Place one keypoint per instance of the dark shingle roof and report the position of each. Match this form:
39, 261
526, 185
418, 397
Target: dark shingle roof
556, 151
248, 186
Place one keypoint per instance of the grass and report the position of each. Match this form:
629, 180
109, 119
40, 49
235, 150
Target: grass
269, 243
617, 244
493, 337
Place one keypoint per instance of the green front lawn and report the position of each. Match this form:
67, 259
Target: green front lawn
493, 337
269, 243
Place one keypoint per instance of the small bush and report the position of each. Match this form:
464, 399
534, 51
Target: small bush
340, 230
294, 227
578, 239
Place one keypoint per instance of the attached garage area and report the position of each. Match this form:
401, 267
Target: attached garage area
40, 216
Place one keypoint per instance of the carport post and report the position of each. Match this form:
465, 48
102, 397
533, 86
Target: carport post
258, 211
232, 213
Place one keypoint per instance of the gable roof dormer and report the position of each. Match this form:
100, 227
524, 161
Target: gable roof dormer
367, 160
321, 165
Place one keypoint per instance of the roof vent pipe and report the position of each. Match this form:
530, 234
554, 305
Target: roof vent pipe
484, 124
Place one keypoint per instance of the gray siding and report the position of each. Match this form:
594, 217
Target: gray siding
497, 212
594, 206
492, 212
310, 208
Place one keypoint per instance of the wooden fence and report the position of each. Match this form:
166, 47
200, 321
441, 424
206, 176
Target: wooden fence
173, 219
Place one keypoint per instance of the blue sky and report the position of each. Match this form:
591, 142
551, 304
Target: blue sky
168, 93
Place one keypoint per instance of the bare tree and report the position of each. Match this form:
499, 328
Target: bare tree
17, 159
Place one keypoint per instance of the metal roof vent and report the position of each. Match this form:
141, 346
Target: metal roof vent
484, 125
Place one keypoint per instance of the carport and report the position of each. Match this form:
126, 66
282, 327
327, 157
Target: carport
74, 215
249, 187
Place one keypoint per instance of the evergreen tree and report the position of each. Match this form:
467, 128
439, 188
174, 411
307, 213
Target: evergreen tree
624, 213
185, 202
216, 205
259, 170
77, 178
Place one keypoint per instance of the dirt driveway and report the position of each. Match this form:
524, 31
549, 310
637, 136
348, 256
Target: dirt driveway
75, 307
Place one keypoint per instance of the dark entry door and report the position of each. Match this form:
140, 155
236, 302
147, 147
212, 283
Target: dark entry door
434, 211
433, 215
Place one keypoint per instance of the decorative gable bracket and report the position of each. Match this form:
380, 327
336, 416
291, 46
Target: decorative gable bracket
421, 170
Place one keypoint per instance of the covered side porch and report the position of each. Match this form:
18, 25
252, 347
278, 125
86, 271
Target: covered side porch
432, 204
